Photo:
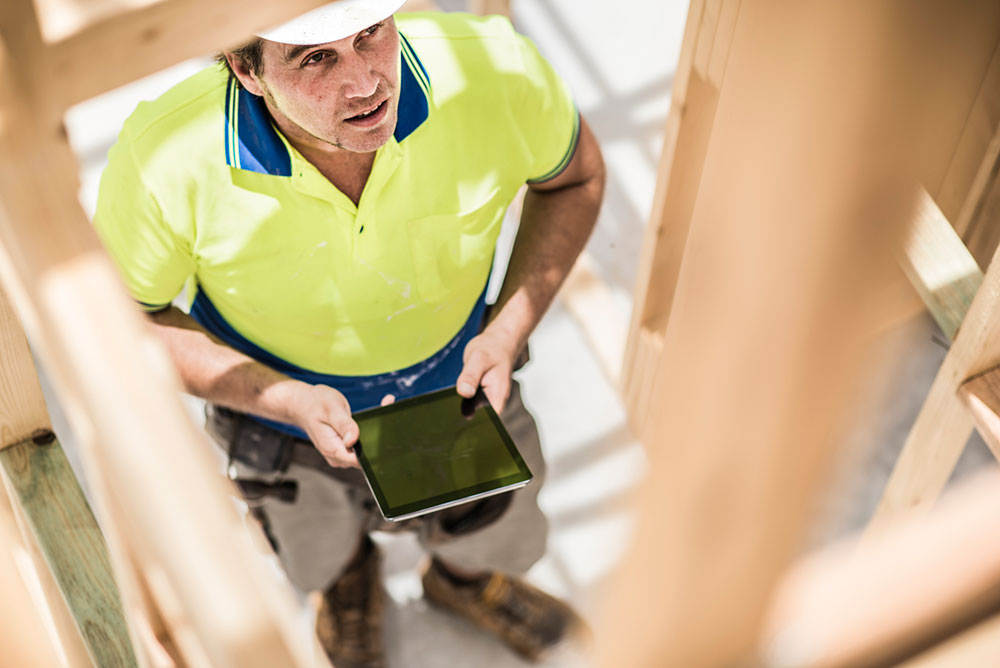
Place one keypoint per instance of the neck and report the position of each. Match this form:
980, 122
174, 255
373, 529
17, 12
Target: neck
347, 170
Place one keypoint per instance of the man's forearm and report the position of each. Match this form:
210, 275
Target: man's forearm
213, 371
555, 225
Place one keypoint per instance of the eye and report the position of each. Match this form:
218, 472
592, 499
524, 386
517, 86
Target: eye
315, 57
371, 30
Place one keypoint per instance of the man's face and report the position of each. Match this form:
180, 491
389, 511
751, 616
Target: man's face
343, 93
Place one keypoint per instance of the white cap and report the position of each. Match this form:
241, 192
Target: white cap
334, 21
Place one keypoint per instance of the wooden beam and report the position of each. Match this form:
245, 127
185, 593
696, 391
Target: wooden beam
483, 7
982, 395
67, 532
944, 425
979, 646
120, 386
940, 267
68, 637
977, 150
983, 233
22, 405
973, 168
134, 41
25, 638
688, 128
919, 585
772, 313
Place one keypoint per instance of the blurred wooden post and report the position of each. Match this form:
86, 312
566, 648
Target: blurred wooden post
173, 513
785, 196
912, 589
490, 7
57, 529
24, 638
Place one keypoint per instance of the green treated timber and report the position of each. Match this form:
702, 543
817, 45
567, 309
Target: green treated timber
73, 545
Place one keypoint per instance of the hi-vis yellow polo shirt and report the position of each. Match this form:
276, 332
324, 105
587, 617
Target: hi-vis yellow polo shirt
370, 298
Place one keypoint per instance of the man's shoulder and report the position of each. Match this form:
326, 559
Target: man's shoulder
187, 110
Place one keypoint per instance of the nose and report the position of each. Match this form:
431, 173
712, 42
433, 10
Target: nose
359, 79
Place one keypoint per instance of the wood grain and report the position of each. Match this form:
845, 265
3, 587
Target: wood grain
982, 395
113, 49
22, 405
940, 267
944, 424
24, 639
114, 376
799, 199
69, 537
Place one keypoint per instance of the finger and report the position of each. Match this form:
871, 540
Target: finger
472, 373
332, 447
496, 387
388, 399
345, 426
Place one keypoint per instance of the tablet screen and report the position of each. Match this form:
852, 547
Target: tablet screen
424, 453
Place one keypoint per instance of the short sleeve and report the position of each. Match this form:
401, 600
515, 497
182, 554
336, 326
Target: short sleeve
153, 259
546, 115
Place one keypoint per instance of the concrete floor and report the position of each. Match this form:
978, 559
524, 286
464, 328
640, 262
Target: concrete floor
620, 66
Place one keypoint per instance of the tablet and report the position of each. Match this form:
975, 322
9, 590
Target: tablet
435, 451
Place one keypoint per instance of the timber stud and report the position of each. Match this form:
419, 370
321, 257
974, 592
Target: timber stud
43, 437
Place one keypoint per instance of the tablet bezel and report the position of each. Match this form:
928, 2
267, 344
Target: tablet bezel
457, 497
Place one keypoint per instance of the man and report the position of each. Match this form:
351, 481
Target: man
331, 199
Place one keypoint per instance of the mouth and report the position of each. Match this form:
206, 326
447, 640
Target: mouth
370, 117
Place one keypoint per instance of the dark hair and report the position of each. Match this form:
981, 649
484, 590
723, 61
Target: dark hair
251, 54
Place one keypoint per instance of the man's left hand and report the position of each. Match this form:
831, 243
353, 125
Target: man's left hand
489, 361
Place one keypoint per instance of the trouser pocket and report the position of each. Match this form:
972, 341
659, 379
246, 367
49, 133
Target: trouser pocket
249, 442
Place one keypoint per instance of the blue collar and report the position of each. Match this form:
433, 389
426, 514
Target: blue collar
253, 144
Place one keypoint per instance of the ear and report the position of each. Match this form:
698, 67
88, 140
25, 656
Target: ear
246, 78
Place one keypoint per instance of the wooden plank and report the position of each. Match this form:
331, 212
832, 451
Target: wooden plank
955, 87
648, 349
979, 646
67, 639
943, 425
982, 395
119, 385
649, 269
25, 639
940, 267
919, 585
110, 51
983, 234
67, 532
706, 37
22, 405
975, 155
484, 7
720, 48
774, 307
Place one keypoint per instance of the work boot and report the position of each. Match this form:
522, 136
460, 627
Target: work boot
349, 620
530, 621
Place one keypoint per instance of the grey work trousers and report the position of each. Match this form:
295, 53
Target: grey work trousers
316, 529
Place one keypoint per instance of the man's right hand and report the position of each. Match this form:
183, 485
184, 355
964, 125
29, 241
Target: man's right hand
325, 415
